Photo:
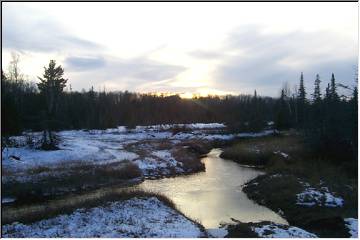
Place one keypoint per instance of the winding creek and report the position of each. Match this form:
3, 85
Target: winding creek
214, 196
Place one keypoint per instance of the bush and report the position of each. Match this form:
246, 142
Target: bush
180, 129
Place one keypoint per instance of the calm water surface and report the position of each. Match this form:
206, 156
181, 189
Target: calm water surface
214, 196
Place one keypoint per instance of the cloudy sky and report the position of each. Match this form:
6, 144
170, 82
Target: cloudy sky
186, 48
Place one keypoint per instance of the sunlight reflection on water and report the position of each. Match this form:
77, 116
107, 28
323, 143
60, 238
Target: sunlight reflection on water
214, 196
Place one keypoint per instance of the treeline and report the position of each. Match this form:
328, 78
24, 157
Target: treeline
23, 105
328, 121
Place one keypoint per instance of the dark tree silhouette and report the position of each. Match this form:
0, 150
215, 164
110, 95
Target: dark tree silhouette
317, 93
51, 87
301, 103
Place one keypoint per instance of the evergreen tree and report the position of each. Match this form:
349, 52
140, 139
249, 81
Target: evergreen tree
314, 128
317, 93
301, 103
283, 116
354, 122
332, 91
51, 87
302, 93
256, 121
327, 92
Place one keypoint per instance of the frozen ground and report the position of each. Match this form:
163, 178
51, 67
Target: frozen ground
281, 231
99, 147
136, 217
318, 197
352, 224
217, 232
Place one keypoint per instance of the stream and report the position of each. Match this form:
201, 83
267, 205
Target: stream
214, 196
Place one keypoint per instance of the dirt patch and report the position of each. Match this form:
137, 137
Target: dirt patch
240, 230
278, 192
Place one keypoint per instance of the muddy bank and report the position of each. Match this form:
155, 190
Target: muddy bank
320, 213
266, 229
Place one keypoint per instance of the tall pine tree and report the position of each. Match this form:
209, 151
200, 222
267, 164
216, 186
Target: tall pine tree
51, 87
301, 103
333, 91
317, 93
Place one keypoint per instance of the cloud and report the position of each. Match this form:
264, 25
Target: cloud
123, 74
84, 63
147, 70
25, 29
206, 54
263, 61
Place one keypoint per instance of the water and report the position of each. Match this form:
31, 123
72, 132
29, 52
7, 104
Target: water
214, 196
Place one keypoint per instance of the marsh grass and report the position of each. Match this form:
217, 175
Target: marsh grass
76, 177
265, 150
45, 210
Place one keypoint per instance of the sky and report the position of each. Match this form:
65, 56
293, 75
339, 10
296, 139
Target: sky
186, 48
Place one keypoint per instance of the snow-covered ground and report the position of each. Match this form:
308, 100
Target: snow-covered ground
136, 217
318, 197
352, 224
281, 231
190, 126
217, 232
284, 155
100, 147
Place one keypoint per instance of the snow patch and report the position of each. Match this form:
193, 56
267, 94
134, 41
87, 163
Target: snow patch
352, 224
284, 155
312, 197
7, 200
137, 217
282, 231
217, 232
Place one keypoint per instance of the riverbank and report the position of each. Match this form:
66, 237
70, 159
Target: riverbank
126, 214
309, 193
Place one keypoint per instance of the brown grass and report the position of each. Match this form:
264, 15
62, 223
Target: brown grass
189, 154
179, 129
76, 177
265, 151
36, 212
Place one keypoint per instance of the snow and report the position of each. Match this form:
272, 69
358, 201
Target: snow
352, 224
285, 155
136, 217
7, 200
189, 126
282, 231
217, 232
277, 175
166, 156
151, 166
312, 197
